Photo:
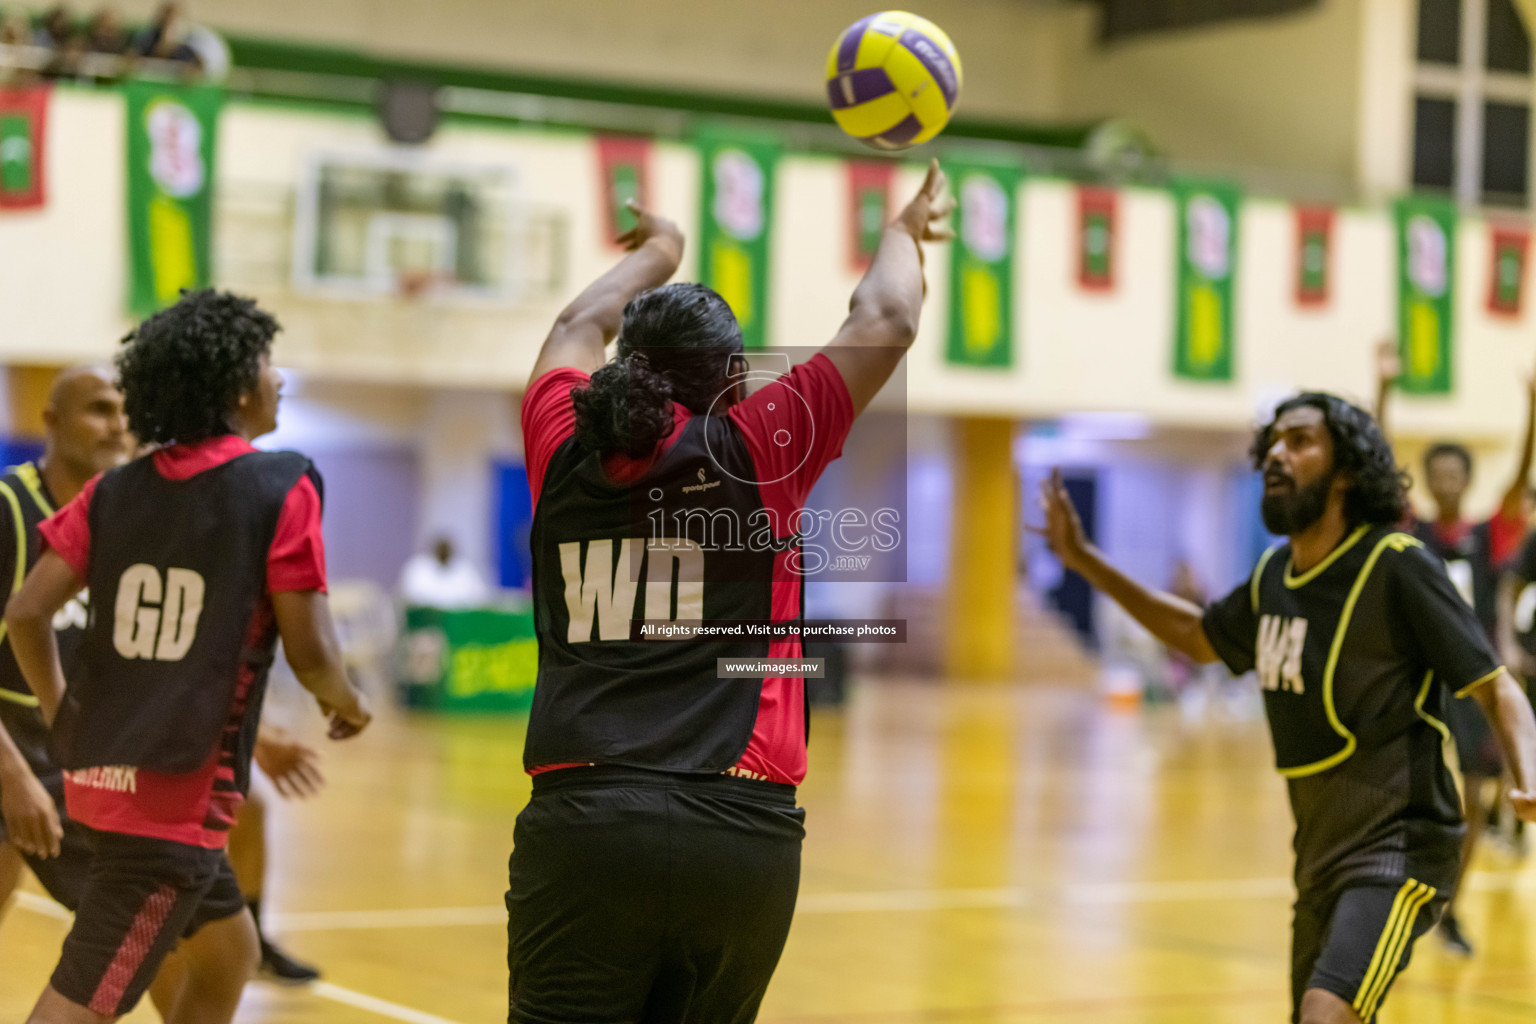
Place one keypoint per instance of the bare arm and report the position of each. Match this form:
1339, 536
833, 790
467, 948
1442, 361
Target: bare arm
1509, 711
1514, 497
314, 654
1388, 367
883, 313
593, 318
29, 619
31, 819
1173, 620
1509, 645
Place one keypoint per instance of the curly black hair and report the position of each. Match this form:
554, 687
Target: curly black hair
183, 369
1379, 495
675, 345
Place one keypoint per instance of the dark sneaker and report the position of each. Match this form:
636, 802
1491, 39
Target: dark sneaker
279, 967
1451, 937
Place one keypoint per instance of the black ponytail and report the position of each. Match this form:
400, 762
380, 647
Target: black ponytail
626, 407
677, 344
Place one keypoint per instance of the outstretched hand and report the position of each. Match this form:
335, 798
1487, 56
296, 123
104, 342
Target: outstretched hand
648, 226
1063, 530
923, 217
1389, 364
293, 767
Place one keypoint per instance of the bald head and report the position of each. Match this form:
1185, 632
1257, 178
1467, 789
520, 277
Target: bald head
75, 381
86, 429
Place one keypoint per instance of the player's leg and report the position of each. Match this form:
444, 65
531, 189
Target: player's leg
1319, 1006
586, 903
1474, 785
248, 856
1369, 942
139, 896
1309, 928
219, 953
736, 874
10, 874
165, 990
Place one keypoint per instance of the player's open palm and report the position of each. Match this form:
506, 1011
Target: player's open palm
30, 817
1063, 530
923, 217
647, 226
293, 767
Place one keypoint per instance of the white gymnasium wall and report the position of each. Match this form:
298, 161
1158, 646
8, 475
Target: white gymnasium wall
777, 50
1277, 93
62, 274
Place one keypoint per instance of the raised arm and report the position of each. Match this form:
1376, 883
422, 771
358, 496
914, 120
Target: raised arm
593, 318
1173, 620
1388, 367
314, 654
883, 314
1514, 498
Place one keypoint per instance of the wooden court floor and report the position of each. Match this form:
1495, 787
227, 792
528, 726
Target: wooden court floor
975, 856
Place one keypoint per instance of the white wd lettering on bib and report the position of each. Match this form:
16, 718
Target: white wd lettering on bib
1281, 642
157, 620
605, 588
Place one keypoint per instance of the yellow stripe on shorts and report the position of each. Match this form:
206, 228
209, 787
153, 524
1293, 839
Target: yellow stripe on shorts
1411, 898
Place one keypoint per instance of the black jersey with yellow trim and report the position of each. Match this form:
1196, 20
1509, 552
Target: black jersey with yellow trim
1357, 657
24, 503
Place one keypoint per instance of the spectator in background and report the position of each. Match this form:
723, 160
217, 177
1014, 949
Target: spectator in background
165, 38
57, 32
104, 33
15, 30
442, 579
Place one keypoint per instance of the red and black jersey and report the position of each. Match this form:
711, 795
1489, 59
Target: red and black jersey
183, 549
703, 529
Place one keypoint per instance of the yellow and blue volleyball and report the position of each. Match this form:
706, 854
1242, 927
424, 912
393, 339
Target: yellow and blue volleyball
893, 80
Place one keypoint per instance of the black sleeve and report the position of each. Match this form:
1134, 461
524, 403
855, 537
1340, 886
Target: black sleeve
1524, 565
1232, 626
8, 533
1439, 621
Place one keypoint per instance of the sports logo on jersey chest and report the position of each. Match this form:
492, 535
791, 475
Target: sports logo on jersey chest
156, 620
605, 587
1281, 642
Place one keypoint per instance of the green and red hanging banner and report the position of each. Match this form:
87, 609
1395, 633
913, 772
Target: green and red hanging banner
869, 208
624, 173
171, 143
736, 223
1506, 280
1426, 275
1314, 255
23, 147
1207, 268
1097, 216
981, 265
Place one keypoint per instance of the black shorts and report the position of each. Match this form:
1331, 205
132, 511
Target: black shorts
62, 876
1477, 749
141, 897
1354, 941
640, 896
